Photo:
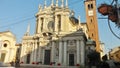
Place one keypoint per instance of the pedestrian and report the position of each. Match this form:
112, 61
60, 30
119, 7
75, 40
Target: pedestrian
12, 63
17, 64
111, 63
104, 64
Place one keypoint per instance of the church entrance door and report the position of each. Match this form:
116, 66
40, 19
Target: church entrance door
71, 59
2, 57
28, 58
47, 57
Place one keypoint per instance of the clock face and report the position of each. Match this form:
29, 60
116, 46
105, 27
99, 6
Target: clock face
90, 12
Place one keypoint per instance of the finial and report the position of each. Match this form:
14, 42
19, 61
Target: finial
57, 3
40, 7
44, 3
62, 5
52, 2
79, 26
66, 3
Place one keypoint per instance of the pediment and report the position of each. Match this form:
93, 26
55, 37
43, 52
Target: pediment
7, 34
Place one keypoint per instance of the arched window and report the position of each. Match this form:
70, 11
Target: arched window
90, 6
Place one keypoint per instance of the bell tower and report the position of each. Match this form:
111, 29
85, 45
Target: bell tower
92, 24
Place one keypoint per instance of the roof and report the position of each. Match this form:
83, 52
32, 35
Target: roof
7, 33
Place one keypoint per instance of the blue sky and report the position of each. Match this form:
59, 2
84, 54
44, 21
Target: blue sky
15, 15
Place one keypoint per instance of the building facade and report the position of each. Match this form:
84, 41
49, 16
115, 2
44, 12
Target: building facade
59, 39
7, 47
115, 54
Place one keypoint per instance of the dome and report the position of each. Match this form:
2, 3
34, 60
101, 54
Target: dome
74, 20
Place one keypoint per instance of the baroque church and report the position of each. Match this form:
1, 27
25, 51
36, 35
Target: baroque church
60, 38
7, 47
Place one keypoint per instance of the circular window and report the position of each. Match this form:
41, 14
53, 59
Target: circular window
5, 45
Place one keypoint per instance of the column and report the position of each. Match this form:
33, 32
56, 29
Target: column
53, 52
60, 52
35, 52
62, 22
82, 52
65, 52
78, 52
22, 53
32, 53
39, 53
44, 23
39, 25
10, 55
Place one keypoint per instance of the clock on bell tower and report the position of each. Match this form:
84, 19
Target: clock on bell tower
92, 24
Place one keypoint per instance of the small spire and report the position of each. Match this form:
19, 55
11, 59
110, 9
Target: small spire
79, 22
28, 30
66, 3
79, 18
57, 3
62, 5
44, 3
52, 2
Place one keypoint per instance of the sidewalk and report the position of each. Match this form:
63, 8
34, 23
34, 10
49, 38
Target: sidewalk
47, 66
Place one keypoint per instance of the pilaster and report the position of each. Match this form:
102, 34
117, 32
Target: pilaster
82, 52
56, 23
39, 25
53, 52
35, 51
32, 54
60, 52
62, 22
78, 52
65, 52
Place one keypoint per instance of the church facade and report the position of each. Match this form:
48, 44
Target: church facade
7, 47
59, 39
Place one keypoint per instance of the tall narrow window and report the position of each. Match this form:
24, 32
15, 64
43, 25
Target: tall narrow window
91, 20
42, 24
92, 35
91, 6
59, 22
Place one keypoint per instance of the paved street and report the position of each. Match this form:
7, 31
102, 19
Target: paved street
44, 66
